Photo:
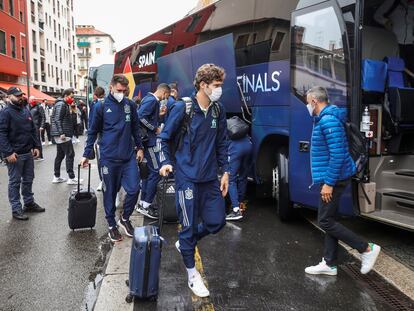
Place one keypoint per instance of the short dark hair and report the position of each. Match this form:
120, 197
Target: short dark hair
173, 86
68, 92
119, 78
208, 73
99, 91
163, 86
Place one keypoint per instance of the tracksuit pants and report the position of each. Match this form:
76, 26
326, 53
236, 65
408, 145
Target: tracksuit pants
201, 211
115, 175
240, 163
149, 185
335, 231
21, 174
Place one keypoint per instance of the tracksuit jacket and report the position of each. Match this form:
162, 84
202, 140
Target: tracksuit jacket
17, 131
148, 113
330, 157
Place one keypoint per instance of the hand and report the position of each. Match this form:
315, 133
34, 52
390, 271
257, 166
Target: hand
12, 158
62, 137
166, 169
158, 130
35, 153
326, 193
84, 162
140, 155
41, 129
388, 25
224, 184
163, 111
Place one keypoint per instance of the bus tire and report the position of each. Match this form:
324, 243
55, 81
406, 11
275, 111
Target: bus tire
284, 206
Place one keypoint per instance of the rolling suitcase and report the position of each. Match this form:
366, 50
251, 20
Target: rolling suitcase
166, 201
144, 264
82, 205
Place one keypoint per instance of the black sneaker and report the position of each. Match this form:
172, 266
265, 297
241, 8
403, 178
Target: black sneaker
234, 215
149, 212
115, 235
20, 215
33, 208
126, 226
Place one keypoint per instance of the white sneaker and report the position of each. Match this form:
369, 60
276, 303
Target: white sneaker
99, 188
58, 180
322, 268
197, 286
50, 143
368, 259
74, 181
177, 246
43, 143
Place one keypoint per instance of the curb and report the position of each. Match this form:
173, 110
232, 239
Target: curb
113, 289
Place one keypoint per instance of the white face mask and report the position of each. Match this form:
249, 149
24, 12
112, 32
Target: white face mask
118, 96
310, 109
215, 94
163, 102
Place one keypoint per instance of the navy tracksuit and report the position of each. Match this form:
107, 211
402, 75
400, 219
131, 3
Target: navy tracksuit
240, 152
116, 123
200, 205
148, 114
18, 135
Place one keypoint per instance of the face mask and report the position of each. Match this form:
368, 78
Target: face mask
215, 94
310, 109
163, 102
118, 96
69, 100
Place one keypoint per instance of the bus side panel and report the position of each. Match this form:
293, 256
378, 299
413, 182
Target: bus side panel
181, 67
299, 162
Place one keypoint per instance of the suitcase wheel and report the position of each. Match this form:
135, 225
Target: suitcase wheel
153, 298
129, 298
127, 282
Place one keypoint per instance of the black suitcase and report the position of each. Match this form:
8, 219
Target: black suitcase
166, 201
82, 205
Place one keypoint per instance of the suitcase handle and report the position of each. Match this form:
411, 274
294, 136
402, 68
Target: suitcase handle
89, 177
161, 208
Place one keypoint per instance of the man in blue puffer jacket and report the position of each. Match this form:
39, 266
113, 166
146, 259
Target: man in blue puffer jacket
332, 168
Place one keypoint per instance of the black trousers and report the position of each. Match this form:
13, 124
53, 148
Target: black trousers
62, 151
39, 139
334, 231
407, 54
47, 130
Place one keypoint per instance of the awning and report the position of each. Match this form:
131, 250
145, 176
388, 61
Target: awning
33, 92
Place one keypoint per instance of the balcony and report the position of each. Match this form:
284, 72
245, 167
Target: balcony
83, 44
84, 55
42, 52
42, 26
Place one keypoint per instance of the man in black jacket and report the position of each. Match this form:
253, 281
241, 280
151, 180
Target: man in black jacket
62, 131
19, 145
39, 119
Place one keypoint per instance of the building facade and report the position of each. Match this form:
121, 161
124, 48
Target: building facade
94, 48
51, 33
13, 52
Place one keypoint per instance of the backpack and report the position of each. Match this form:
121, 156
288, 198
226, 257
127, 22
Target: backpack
185, 126
237, 128
357, 146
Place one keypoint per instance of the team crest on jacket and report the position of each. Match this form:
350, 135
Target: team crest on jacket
188, 194
127, 109
214, 123
105, 170
128, 117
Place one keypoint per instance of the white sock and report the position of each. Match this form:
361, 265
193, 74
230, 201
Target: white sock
191, 272
236, 209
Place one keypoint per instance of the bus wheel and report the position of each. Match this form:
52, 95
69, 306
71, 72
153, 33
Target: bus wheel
280, 188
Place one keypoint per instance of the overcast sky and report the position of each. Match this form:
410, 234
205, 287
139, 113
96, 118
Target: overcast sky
128, 21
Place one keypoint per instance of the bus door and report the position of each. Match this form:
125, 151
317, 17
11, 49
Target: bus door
319, 57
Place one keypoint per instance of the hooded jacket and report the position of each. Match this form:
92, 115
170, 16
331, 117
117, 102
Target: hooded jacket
17, 131
330, 157
200, 160
61, 119
148, 113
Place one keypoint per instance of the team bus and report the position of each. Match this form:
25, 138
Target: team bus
273, 52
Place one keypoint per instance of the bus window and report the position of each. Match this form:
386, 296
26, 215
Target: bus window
318, 54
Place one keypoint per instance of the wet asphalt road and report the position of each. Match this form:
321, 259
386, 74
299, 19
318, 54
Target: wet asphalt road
43, 264
256, 264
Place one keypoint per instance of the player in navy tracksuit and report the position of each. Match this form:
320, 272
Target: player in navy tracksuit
115, 120
149, 116
203, 152
240, 152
